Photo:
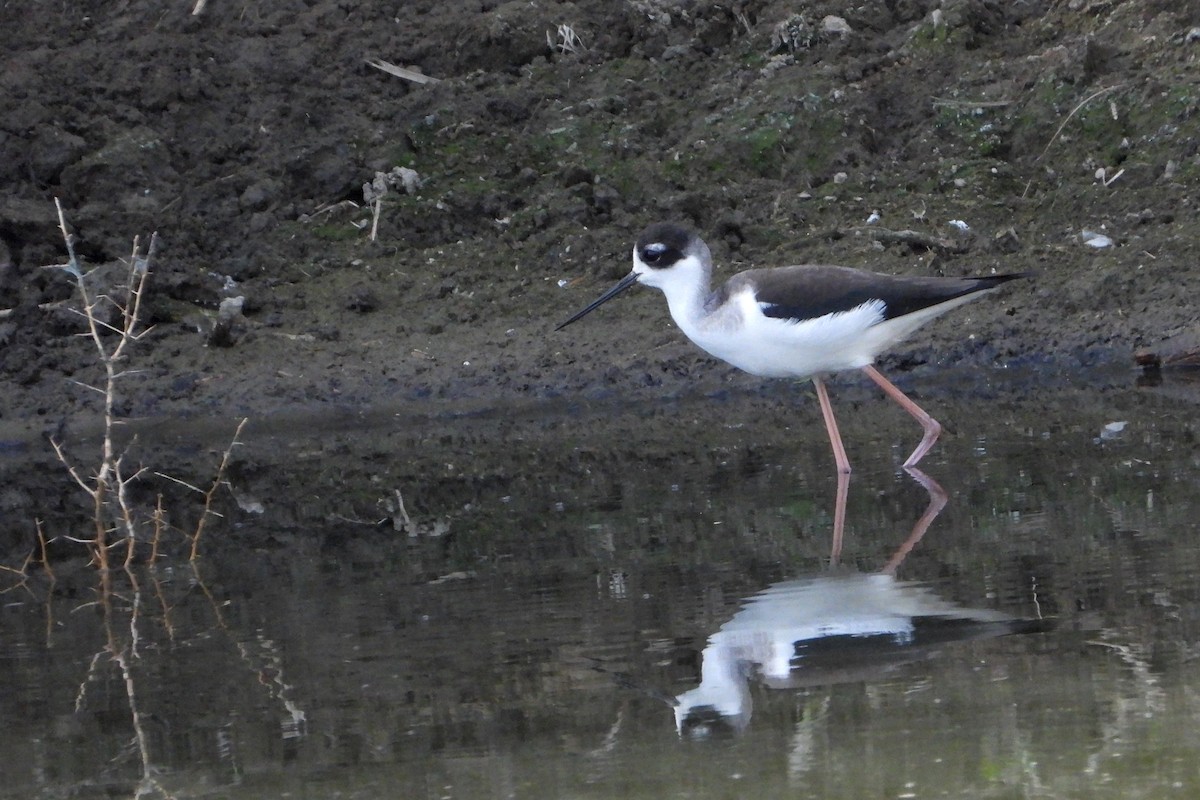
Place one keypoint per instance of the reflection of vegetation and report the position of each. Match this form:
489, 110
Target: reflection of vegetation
138, 606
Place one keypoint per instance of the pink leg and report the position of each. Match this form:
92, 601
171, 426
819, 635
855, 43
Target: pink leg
928, 423
839, 517
937, 501
835, 438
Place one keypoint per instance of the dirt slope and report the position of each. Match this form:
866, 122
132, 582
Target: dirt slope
557, 131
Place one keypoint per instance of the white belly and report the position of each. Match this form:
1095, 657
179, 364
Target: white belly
776, 348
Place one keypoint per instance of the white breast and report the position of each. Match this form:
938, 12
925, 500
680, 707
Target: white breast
738, 332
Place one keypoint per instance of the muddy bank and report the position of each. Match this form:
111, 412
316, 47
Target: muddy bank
469, 480
555, 133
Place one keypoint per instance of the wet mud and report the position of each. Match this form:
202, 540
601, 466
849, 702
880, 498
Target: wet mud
553, 133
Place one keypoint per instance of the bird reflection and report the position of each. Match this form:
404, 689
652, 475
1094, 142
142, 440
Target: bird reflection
834, 627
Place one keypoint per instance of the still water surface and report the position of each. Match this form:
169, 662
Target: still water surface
636, 623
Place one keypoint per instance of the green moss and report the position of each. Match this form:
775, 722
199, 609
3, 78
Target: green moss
991, 770
817, 140
1096, 124
676, 170
399, 155
801, 508
1051, 92
760, 147
976, 132
627, 177
633, 69
422, 137
930, 37
1180, 103
550, 146
1173, 111
754, 59
404, 201
791, 143
335, 231
764, 153
473, 186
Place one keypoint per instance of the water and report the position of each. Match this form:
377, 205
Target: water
573, 582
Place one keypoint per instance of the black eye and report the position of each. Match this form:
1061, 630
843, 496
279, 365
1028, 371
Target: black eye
652, 253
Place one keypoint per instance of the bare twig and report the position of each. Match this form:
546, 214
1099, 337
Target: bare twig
568, 40
405, 520
22, 573
167, 624
218, 479
89, 676
951, 103
182, 483
917, 239
42, 544
109, 479
741, 17
378, 206
158, 520
402, 72
112, 321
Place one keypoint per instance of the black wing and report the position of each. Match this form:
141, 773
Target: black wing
807, 292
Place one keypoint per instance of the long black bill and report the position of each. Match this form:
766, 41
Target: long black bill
626, 282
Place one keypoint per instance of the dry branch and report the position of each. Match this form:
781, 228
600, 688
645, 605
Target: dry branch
107, 487
402, 72
217, 482
917, 239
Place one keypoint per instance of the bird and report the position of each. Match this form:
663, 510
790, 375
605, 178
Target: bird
825, 629
803, 321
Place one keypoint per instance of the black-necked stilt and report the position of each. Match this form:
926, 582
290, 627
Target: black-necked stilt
833, 627
795, 322
827, 629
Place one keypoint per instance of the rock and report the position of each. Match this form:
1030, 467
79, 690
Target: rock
835, 26
51, 150
362, 299
1006, 241
257, 196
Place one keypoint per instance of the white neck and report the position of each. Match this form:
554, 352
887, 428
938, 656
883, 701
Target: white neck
686, 285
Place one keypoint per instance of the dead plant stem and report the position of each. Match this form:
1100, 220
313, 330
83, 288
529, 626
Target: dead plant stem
109, 476
218, 480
